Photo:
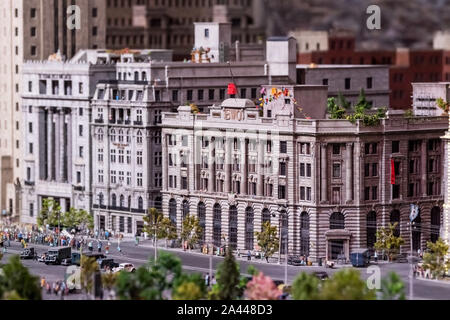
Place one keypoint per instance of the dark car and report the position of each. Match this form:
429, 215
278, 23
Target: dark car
296, 261
360, 258
321, 275
107, 263
74, 259
28, 253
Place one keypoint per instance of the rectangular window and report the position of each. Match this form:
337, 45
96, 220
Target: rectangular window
80, 130
174, 95
336, 149
336, 170
184, 183
283, 146
200, 95
30, 127
282, 168
369, 83
347, 83
302, 169
78, 177
281, 192
31, 209
367, 169
395, 146
302, 193
308, 170
395, 191
374, 169
189, 95
374, 193
325, 82
367, 193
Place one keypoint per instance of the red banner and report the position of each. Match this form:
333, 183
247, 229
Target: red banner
392, 171
232, 89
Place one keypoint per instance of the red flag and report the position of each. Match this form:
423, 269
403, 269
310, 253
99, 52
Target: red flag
392, 172
232, 89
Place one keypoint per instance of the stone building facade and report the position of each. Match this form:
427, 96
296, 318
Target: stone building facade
327, 184
57, 141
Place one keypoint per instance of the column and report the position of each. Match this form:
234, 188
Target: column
244, 178
423, 167
211, 167
260, 164
165, 162
68, 120
228, 151
348, 172
323, 169
50, 145
61, 148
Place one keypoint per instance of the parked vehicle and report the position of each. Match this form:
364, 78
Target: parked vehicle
129, 267
42, 257
28, 253
107, 263
72, 280
321, 275
57, 255
360, 258
296, 261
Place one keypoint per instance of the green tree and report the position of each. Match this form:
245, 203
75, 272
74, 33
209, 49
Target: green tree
443, 105
77, 219
189, 287
306, 287
154, 225
109, 282
387, 241
268, 240
342, 102
362, 101
16, 282
89, 266
50, 213
392, 287
346, 284
153, 281
168, 230
434, 259
228, 278
335, 111
192, 231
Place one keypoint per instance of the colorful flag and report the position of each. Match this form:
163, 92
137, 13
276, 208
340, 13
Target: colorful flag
232, 89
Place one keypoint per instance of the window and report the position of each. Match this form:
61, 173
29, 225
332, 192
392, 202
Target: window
206, 33
336, 170
175, 95
282, 168
337, 221
249, 226
33, 13
189, 95
211, 94
395, 146
374, 169
94, 12
80, 130
281, 192
367, 169
217, 225
283, 146
31, 209
325, 82
302, 170
367, 193
200, 95
347, 83
369, 83
308, 170
139, 180
33, 32
30, 86
374, 193
81, 153
184, 183
336, 149
31, 148
78, 177
396, 191
233, 227
33, 50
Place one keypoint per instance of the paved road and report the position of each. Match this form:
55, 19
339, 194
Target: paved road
194, 262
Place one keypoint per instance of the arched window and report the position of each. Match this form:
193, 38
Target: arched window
122, 201
435, 223
113, 200
185, 209
139, 137
233, 228
371, 229
113, 135
120, 135
201, 213
173, 211
265, 216
217, 225
140, 203
100, 198
249, 233
136, 76
304, 234
337, 221
144, 76
129, 202
395, 218
284, 228
128, 136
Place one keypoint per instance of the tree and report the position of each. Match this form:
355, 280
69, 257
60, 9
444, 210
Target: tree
346, 284
306, 287
362, 101
77, 219
335, 111
16, 282
50, 213
192, 231
189, 287
392, 287
153, 281
387, 241
445, 106
434, 259
342, 102
262, 287
89, 266
228, 278
109, 282
268, 240
168, 230
154, 225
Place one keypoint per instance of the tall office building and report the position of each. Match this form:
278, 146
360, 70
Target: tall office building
34, 30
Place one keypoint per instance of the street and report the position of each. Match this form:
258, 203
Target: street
196, 262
